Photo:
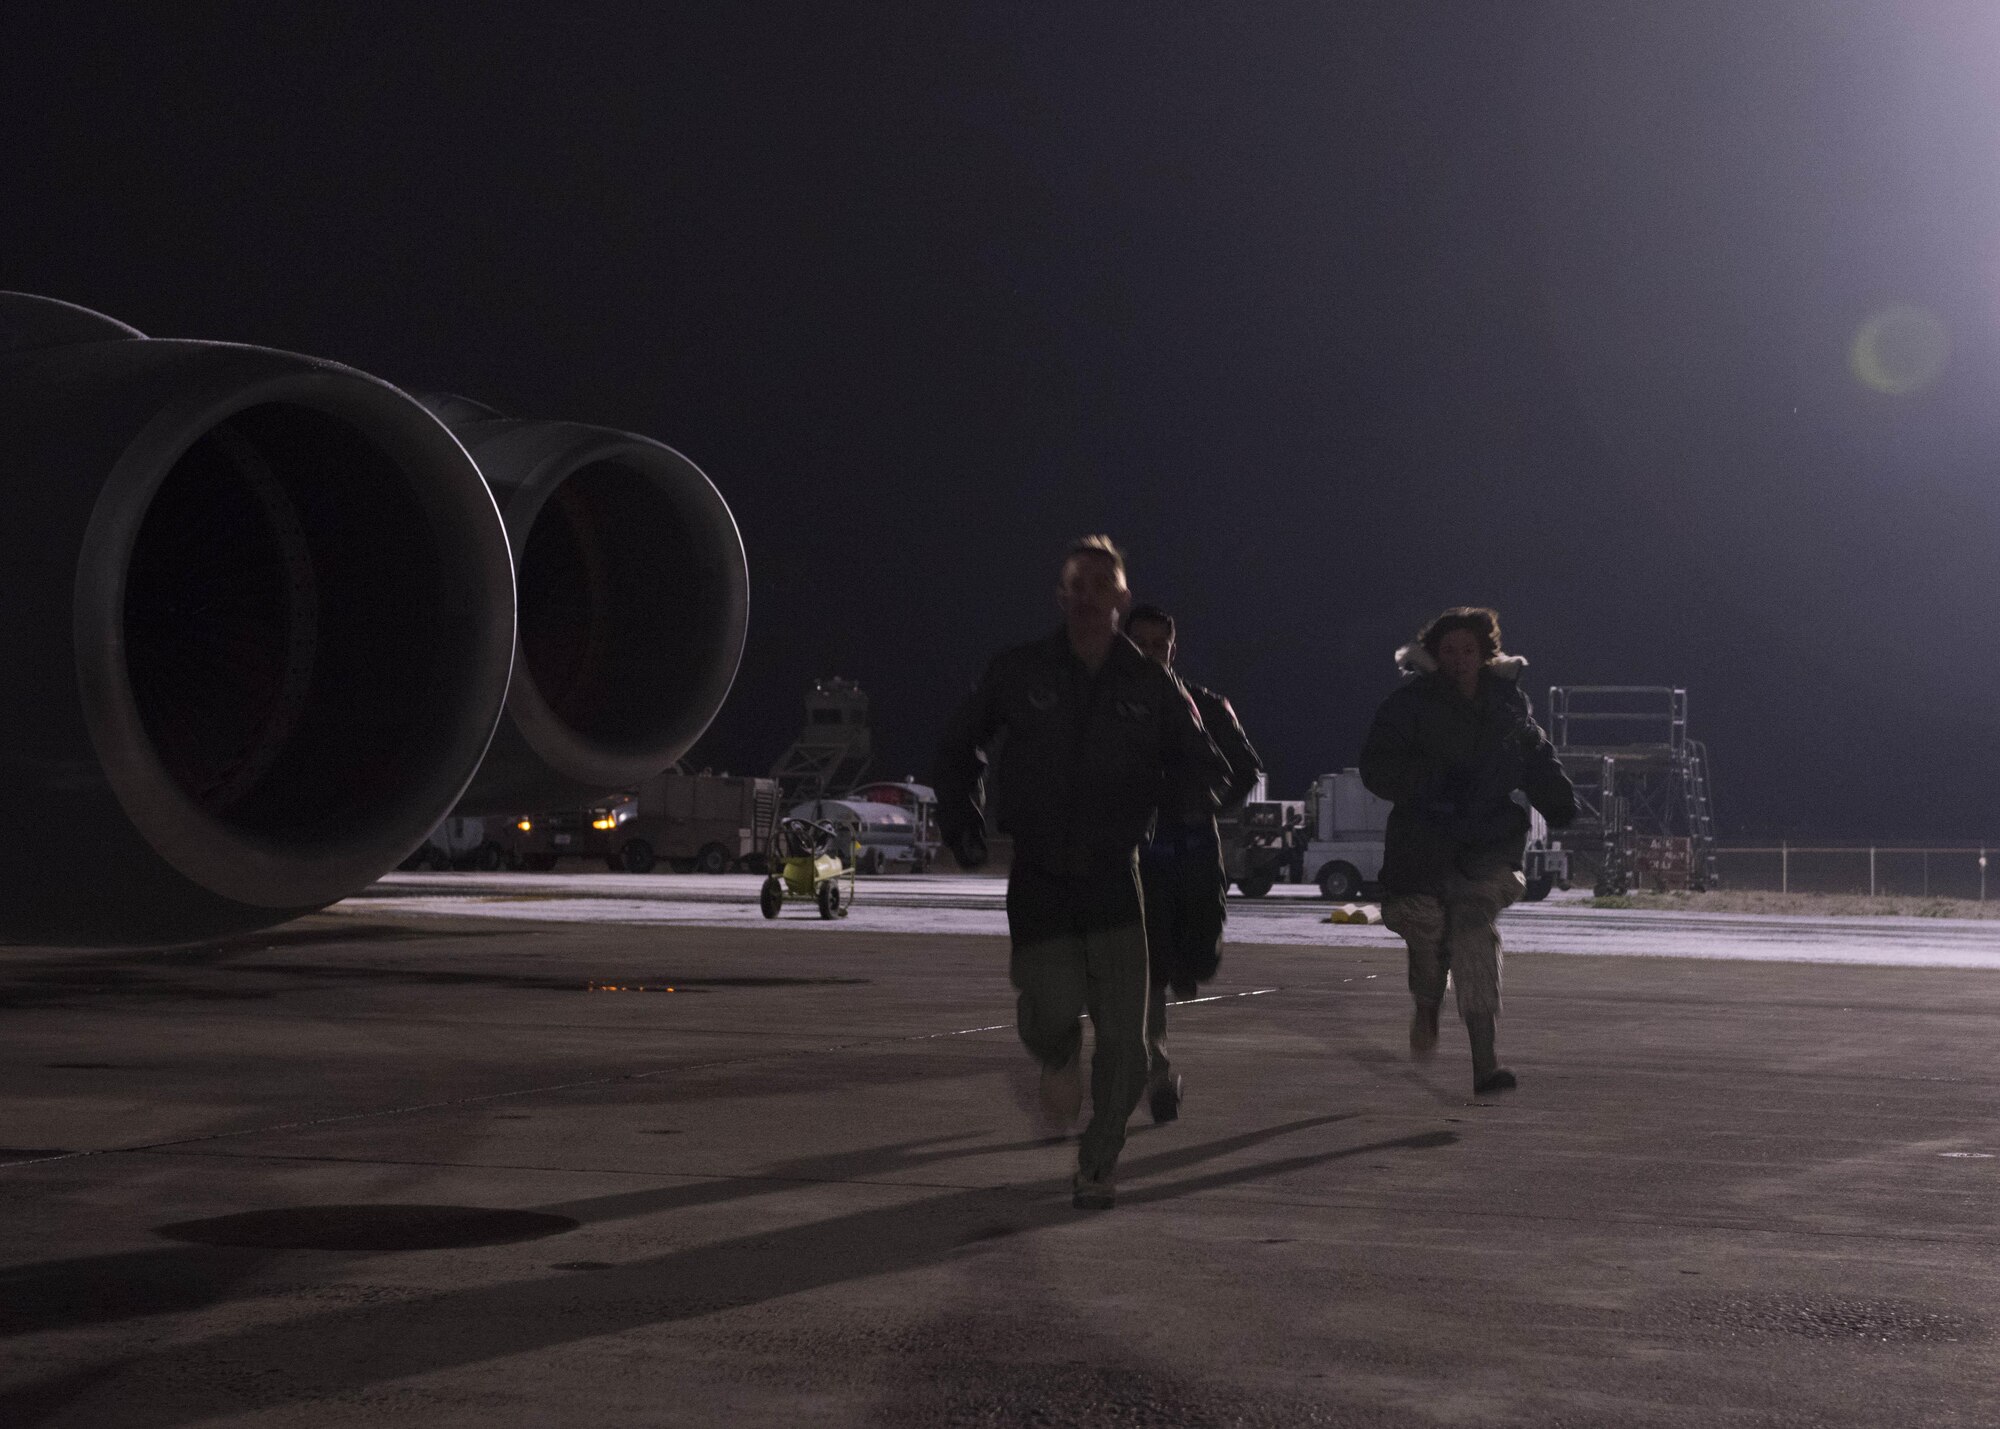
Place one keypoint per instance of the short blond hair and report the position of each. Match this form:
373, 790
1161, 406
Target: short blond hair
1097, 545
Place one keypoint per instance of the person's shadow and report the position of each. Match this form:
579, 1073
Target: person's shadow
345, 1350
102, 1289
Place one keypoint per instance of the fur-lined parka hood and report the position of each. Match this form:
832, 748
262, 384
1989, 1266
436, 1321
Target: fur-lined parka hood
1413, 659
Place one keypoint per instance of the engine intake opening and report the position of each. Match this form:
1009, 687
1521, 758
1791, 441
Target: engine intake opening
284, 632
623, 607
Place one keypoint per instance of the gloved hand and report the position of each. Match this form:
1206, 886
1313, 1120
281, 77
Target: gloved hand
969, 848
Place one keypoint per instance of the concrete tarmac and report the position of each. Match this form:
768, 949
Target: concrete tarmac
374, 1168
945, 903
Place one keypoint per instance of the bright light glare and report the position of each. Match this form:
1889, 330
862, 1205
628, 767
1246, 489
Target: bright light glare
1900, 349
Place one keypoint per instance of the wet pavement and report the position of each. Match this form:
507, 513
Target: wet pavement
382, 1167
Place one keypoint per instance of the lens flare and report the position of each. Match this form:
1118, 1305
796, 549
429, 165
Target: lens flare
1899, 350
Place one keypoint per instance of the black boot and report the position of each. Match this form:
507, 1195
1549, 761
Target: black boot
1487, 1073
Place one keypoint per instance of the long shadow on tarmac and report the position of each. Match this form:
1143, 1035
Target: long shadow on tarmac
103, 1289
31, 981
98, 1289
346, 1350
202, 974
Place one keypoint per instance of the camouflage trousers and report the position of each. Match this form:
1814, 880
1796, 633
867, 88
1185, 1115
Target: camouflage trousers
1452, 931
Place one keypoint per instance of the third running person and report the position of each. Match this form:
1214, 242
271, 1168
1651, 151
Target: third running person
1180, 866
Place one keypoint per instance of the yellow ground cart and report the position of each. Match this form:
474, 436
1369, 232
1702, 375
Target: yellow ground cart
806, 864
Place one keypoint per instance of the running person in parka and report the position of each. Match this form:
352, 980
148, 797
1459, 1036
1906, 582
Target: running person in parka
1180, 866
1456, 749
1096, 739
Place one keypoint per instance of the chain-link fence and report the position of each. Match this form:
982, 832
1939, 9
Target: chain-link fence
1871, 869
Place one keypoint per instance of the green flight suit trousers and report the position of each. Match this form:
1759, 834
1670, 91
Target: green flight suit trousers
1080, 946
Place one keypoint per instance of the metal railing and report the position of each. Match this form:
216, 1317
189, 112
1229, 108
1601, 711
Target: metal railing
1878, 870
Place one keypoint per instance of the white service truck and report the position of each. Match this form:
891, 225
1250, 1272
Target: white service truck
1343, 848
1344, 824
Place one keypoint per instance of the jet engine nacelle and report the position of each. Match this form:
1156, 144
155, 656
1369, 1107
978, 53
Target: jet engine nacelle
634, 598
256, 625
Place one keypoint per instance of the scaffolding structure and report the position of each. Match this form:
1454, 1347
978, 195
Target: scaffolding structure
1644, 806
834, 749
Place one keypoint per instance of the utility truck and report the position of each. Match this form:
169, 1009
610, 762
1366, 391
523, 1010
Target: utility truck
696, 823
1343, 845
1335, 840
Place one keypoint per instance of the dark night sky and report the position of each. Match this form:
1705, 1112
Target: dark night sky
1332, 313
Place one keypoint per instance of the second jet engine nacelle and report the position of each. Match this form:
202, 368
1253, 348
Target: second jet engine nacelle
633, 602
256, 625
